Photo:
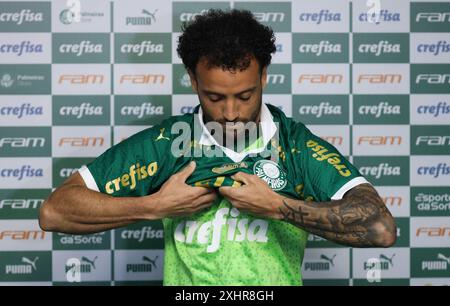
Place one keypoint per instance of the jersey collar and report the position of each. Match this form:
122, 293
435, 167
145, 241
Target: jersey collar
268, 128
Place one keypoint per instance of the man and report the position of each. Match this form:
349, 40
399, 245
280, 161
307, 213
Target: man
231, 216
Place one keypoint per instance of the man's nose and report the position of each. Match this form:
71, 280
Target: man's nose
231, 110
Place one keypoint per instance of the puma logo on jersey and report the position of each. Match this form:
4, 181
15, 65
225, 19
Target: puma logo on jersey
161, 137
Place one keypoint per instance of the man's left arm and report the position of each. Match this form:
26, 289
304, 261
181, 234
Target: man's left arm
359, 219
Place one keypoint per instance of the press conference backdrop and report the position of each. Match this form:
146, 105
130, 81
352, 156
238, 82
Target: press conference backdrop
74, 84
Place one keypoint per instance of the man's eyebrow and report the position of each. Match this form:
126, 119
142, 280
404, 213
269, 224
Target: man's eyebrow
208, 92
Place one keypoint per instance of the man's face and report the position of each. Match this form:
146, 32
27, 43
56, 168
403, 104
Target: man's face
229, 97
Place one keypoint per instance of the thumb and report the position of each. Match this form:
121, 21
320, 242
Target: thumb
187, 171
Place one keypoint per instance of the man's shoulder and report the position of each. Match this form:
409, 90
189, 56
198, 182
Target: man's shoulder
160, 135
286, 123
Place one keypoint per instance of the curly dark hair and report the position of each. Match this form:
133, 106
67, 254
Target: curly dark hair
227, 39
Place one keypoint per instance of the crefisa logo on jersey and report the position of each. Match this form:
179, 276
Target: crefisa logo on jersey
270, 172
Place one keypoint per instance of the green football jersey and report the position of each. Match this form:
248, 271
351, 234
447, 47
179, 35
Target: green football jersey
222, 245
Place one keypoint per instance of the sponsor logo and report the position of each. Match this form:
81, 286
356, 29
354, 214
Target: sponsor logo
433, 231
25, 109
433, 17
441, 264
27, 267
22, 235
81, 141
324, 108
84, 109
380, 140
385, 262
161, 135
379, 78
24, 47
383, 169
147, 265
382, 47
145, 109
228, 167
24, 16
269, 16
377, 18
434, 171
433, 78
435, 110
144, 233
81, 79
322, 16
435, 49
86, 265
324, 46
94, 239
147, 19
84, 47
238, 230
324, 264
20, 173
432, 202
142, 78
271, 173
321, 78
145, 47
22, 142
142, 172
186, 16
21, 203
383, 108
322, 154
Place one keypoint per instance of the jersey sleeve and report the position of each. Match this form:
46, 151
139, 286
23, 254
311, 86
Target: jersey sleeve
133, 167
326, 174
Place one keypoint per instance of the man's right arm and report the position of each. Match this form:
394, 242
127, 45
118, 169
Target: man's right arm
73, 208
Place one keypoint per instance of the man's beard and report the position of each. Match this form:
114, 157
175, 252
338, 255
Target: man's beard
236, 135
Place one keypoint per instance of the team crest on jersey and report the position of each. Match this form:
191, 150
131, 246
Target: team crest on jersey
270, 172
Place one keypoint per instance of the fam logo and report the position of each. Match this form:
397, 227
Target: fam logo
430, 17
271, 173
81, 79
142, 79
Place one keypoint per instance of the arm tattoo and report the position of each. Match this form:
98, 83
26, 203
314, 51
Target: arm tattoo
356, 220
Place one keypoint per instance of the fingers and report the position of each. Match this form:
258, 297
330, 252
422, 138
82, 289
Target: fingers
230, 192
242, 177
187, 171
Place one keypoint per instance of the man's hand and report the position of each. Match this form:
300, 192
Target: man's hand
254, 196
176, 198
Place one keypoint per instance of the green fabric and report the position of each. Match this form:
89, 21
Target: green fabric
221, 245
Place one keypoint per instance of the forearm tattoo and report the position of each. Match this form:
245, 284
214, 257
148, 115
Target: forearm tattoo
355, 220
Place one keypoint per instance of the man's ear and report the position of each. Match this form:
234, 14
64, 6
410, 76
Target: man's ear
264, 77
193, 79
